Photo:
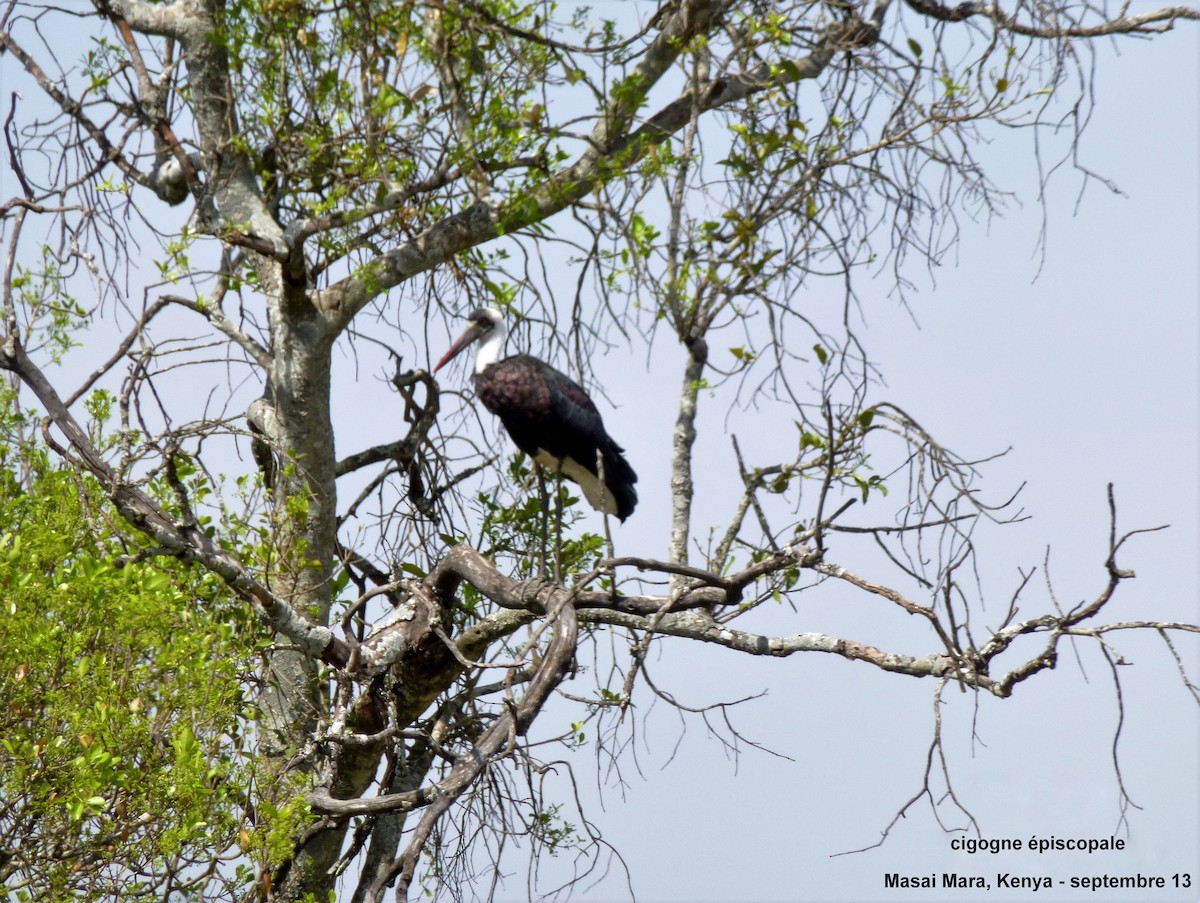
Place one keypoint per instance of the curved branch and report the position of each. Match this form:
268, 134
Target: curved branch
73, 109
420, 416
1159, 20
178, 539
700, 626
216, 316
168, 20
612, 149
495, 744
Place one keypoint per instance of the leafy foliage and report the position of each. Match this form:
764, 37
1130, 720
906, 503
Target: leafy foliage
126, 739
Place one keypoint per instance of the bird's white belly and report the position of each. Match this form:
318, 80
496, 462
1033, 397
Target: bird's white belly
593, 490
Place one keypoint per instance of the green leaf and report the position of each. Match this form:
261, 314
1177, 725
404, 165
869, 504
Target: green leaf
915, 48
790, 70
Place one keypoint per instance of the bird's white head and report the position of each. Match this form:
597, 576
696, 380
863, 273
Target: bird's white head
485, 324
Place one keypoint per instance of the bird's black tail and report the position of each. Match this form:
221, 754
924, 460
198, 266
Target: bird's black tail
619, 479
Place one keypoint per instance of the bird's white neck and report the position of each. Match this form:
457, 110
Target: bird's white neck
490, 348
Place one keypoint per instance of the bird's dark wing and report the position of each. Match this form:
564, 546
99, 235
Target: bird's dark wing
551, 418
574, 408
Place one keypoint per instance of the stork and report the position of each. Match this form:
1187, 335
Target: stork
547, 414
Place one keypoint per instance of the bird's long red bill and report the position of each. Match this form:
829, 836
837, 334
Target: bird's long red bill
469, 335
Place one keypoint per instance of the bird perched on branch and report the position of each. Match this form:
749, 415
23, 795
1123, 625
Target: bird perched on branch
548, 415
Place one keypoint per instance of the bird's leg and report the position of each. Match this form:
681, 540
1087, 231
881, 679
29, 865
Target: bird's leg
545, 515
558, 527
603, 494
